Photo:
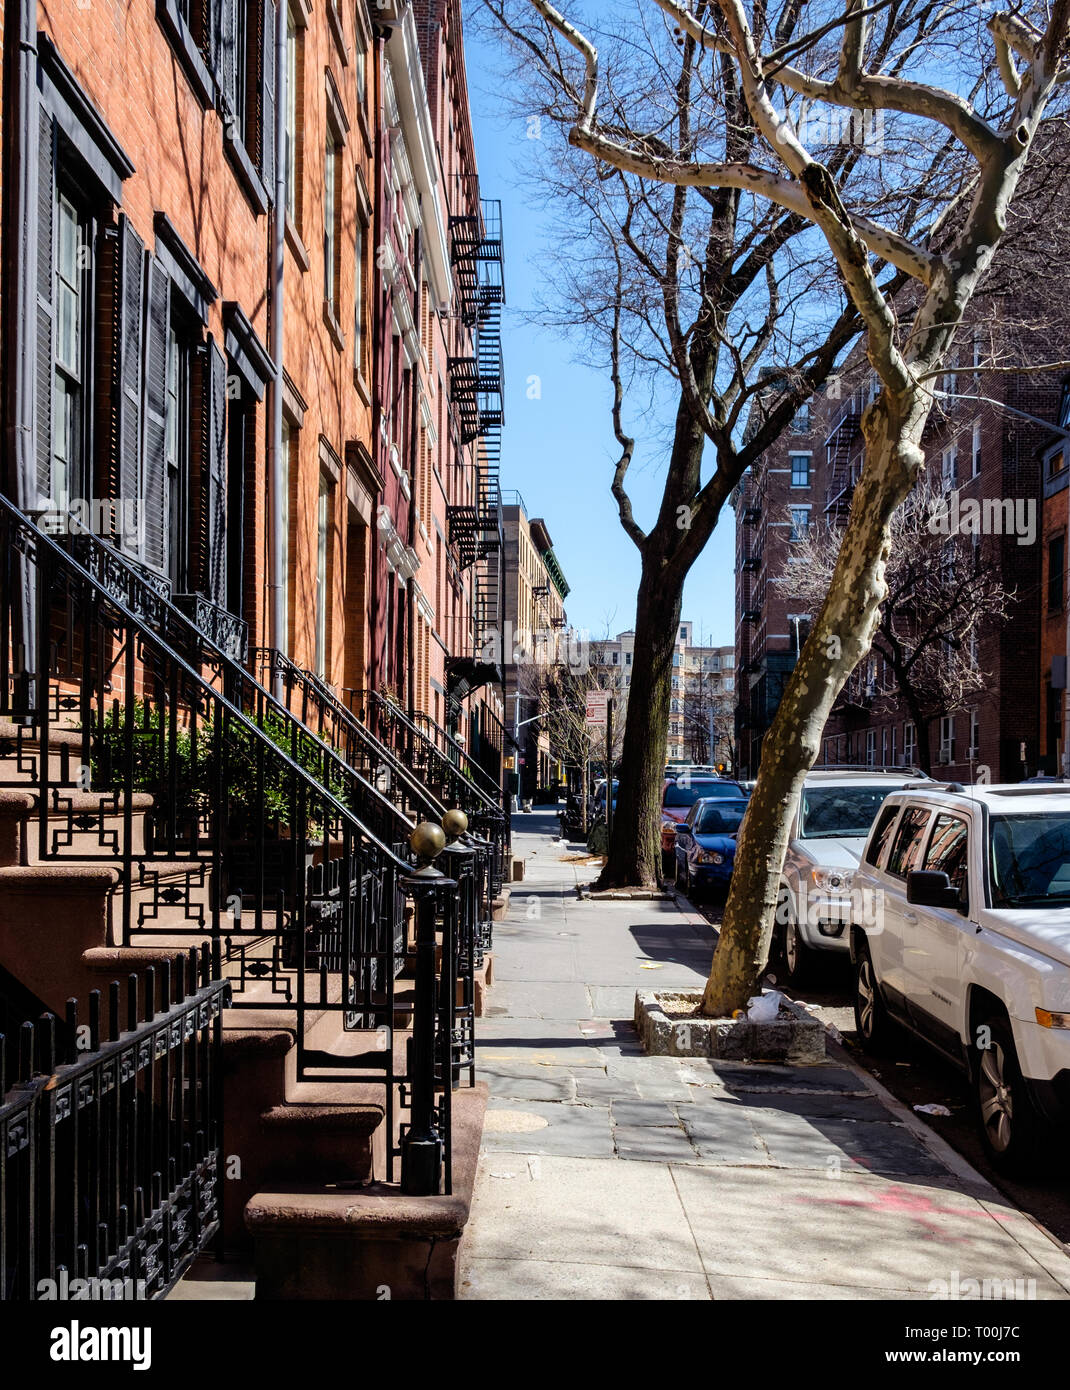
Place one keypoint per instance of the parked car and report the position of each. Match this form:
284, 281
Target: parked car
968, 945
677, 798
828, 834
598, 798
706, 843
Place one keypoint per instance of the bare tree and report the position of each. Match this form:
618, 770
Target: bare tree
690, 287
837, 66
559, 690
941, 599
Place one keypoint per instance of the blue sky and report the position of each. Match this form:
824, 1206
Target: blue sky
559, 451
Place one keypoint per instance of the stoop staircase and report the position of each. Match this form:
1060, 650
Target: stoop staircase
155, 796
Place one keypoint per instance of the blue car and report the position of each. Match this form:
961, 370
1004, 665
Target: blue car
706, 843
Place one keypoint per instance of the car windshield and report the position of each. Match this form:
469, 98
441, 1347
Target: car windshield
829, 812
1030, 857
677, 794
720, 820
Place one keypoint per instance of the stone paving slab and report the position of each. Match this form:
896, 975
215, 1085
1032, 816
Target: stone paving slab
541, 1280
592, 1211
537, 1127
868, 1232
524, 1081
540, 999
649, 1145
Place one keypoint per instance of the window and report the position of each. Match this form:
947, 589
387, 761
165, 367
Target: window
359, 297
949, 465
947, 852
910, 744
908, 840
800, 523
177, 421
616, 658
801, 423
975, 452
800, 470
947, 740
244, 54
70, 360
730, 683
882, 834
1057, 463
627, 658
871, 747
295, 58
331, 217
975, 735
323, 557
1056, 573
289, 473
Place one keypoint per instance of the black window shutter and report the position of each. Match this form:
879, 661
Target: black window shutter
228, 59
46, 192
216, 498
130, 310
267, 103
157, 322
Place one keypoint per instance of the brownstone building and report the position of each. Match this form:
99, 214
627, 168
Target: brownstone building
250, 616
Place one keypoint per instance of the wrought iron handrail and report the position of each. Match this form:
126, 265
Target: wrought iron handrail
112, 1153
456, 753
310, 913
343, 730
211, 647
391, 716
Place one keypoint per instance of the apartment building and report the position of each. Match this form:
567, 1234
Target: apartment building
702, 705
535, 622
252, 413
983, 446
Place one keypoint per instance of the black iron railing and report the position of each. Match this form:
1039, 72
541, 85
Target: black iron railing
111, 1138
451, 781
143, 746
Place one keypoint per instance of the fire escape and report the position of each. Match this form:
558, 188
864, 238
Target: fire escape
477, 389
841, 471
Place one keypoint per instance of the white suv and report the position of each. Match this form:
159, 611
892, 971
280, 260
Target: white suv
828, 834
966, 941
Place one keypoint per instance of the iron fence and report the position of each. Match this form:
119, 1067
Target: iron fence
111, 1138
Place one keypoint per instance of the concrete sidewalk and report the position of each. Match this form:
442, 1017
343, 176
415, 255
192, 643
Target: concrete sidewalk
609, 1174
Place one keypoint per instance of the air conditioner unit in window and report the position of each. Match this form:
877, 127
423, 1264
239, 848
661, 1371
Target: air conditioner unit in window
973, 753
945, 754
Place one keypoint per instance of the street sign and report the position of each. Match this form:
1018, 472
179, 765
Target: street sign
597, 701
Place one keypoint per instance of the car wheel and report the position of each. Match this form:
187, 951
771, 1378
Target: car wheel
795, 957
875, 1027
1015, 1136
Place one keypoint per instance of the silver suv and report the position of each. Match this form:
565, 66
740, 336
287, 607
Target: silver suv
828, 834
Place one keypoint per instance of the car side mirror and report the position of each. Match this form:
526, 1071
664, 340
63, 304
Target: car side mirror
929, 888
683, 830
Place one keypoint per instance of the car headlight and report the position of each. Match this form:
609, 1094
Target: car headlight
710, 856
832, 880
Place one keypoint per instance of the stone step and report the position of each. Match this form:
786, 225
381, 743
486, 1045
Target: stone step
314, 1243
79, 826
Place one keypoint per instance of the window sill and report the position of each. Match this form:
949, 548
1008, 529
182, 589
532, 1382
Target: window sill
334, 328
245, 169
362, 123
298, 249
187, 52
363, 390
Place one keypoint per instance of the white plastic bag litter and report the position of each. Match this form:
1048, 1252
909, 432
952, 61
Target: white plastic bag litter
932, 1110
764, 1007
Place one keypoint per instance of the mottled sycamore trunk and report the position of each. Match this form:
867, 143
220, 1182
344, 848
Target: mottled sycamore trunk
841, 637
